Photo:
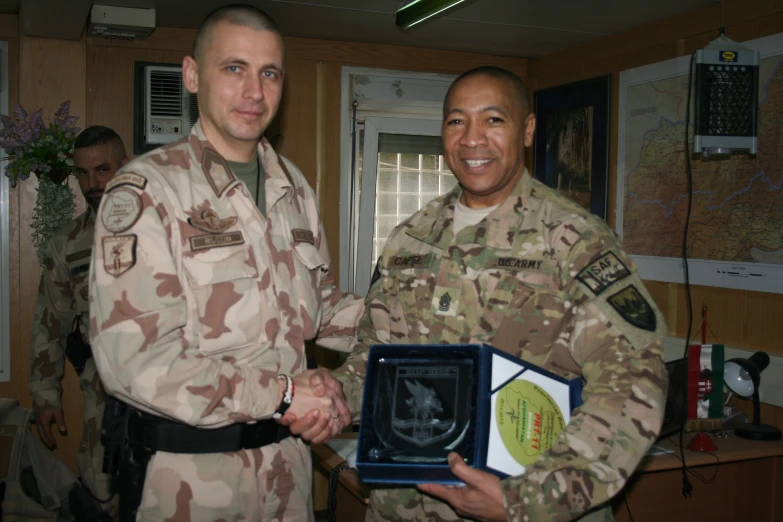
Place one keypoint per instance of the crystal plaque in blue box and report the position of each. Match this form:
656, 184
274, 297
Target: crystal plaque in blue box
422, 402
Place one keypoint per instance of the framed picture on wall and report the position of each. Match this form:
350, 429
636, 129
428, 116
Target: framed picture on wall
571, 148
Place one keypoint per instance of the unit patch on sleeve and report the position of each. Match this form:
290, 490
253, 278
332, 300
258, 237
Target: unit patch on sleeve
634, 308
119, 254
603, 272
128, 178
120, 211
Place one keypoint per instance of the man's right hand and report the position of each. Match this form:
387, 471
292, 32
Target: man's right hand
44, 418
319, 405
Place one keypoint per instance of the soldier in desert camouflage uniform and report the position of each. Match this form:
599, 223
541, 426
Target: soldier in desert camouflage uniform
505, 260
62, 308
206, 284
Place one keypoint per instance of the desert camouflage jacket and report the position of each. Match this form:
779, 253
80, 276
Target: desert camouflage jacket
197, 301
546, 281
62, 296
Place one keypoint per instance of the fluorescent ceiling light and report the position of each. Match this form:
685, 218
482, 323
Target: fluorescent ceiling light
420, 10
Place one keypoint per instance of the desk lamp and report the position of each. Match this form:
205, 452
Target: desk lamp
743, 377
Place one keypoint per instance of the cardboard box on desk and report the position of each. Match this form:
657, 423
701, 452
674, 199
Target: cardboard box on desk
423, 401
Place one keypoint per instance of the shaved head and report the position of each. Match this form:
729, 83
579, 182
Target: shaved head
237, 14
497, 73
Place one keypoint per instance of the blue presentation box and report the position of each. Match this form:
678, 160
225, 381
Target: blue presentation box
421, 402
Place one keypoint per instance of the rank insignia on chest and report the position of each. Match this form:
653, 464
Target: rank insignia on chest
445, 301
210, 222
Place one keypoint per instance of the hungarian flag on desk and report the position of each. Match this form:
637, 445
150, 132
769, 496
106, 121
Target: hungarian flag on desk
705, 381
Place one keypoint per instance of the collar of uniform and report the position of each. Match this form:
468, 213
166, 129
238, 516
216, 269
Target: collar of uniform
275, 171
434, 224
494, 230
209, 157
89, 218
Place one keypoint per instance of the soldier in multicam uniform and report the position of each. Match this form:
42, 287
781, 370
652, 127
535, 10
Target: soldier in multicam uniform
205, 285
60, 325
505, 260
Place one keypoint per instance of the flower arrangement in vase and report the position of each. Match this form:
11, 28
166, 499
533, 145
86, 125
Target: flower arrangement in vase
34, 147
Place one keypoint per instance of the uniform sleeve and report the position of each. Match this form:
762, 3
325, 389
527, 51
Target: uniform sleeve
141, 323
614, 334
54, 314
341, 310
374, 328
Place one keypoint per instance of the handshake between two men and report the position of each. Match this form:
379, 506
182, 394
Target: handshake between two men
318, 410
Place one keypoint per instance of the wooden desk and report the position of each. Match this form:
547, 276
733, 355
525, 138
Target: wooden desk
352, 494
745, 484
748, 486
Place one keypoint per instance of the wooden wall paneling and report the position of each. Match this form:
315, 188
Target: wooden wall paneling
298, 116
705, 20
110, 85
330, 215
50, 72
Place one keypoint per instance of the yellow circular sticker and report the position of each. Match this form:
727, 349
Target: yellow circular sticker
528, 419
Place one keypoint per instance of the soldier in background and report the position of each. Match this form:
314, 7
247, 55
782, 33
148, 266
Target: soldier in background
211, 270
504, 260
60, 325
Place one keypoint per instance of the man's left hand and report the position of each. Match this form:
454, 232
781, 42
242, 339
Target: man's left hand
481, 498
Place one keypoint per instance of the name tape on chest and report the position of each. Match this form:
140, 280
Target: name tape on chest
301, 235
518, 263
128, 178
208, 241
80, 269
603, 272
119, 254
121, 210
415, 261
76, 256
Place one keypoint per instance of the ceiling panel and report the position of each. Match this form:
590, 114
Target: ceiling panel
520, 28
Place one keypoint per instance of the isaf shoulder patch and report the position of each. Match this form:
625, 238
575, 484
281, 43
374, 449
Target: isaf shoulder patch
634, 308
119, 254
603, 272
121, 210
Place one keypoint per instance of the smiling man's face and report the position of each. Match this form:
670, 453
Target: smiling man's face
486, 127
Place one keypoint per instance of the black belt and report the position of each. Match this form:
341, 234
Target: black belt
159, 434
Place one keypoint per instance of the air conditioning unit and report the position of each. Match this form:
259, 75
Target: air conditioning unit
170, 111
123, 23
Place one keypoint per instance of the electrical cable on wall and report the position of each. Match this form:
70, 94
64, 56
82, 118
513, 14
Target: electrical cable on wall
687, 488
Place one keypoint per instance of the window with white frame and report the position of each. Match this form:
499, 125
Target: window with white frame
392, 162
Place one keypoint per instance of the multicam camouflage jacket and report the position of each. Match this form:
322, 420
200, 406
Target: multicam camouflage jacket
197, 301
545, 281
62, 297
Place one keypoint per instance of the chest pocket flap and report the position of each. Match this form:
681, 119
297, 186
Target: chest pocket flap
219, 265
